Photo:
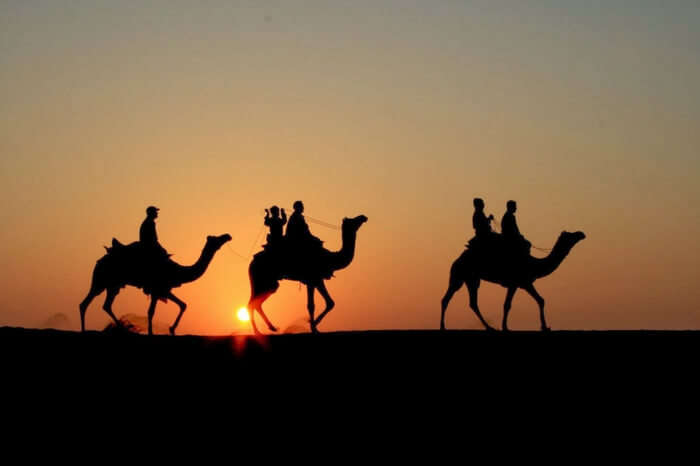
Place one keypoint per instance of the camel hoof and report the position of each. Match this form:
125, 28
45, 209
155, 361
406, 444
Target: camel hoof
172, 331
546, 329
490, 329
272, 328
506, 329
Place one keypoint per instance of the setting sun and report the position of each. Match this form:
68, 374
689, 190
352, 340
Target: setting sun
243, 315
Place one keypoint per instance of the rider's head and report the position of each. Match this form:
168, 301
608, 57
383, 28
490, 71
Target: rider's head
275, 210
152, 211
298, 207
511, 206
478, 203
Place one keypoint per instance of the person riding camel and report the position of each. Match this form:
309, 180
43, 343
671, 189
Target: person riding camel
512, 237
298, 233
484, 237
148, 236
275, 223
481, 223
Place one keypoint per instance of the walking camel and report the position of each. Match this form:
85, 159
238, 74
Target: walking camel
124, 265
470, 270
268, 267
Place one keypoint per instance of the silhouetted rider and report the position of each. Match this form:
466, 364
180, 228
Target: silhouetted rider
509, 227
481, 223
510, 230
298, 232
147, 233
275, 222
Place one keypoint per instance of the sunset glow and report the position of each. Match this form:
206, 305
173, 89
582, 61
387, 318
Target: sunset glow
585, 113
243, 315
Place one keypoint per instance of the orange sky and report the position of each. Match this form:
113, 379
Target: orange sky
586, 115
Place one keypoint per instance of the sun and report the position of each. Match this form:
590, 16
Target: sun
243, 315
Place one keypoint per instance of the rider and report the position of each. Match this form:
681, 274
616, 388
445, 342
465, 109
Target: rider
481, 223
147, 234
298, 231
511, 232
275, 222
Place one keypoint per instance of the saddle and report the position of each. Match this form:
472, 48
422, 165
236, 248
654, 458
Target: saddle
134, 248
296, 260
116, 246
494, 247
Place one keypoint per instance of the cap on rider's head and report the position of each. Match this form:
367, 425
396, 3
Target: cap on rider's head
478, 202
511, 205
152, 210
298, 205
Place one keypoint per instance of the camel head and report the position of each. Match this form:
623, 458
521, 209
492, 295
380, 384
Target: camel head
214, 243
569, 240
353, 224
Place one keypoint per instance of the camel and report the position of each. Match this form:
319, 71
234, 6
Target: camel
266, 269
123, 265
470, 271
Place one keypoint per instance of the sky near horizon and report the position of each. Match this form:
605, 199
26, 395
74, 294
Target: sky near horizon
586, 113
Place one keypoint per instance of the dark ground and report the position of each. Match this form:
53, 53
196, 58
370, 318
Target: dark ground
589, 388
607, 374
391, 357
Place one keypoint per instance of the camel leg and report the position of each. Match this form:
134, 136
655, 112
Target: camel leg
330, 304
182, 305
107, 306
454, 285
252, 309
473, 287
507, 305
256, 305
84, 305
540, 302
151, 313
267, 321
311, 306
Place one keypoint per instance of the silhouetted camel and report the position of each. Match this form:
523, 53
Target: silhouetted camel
467, 269
266, 269
122, 266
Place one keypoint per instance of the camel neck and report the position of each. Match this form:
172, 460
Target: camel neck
343, 258
193, 272
549, 264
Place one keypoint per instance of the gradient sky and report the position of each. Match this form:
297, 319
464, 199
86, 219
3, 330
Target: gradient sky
586, 113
